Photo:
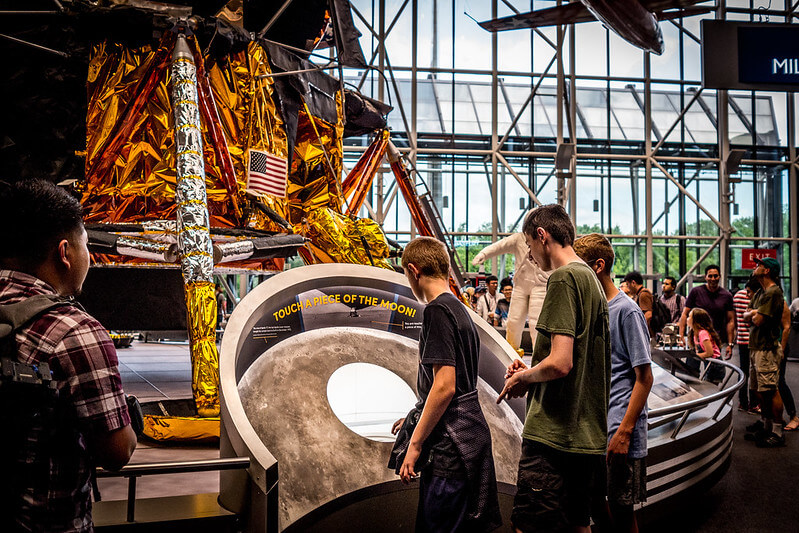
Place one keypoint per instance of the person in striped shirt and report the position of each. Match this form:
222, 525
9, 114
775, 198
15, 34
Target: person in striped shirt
747, 399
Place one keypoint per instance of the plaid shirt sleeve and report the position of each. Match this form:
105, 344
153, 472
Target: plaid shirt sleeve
86, 360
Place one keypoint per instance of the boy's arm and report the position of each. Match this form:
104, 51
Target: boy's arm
554, 366
441, 393
113, 449
620, 442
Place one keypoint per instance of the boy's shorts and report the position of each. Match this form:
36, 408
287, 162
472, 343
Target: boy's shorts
443, 503
626, 480
764, 369
554, 488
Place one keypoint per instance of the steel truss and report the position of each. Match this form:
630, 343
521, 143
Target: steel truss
650, 158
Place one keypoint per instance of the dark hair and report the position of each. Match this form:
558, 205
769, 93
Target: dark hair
634, 276
753, 285
41, 214
505, 282
712, 267
554, 219
671, 278
491, 278
701, 320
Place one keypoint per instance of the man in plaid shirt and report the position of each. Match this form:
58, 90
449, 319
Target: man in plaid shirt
43, 250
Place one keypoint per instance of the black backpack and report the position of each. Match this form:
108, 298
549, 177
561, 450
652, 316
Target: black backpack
30, 410
660, 313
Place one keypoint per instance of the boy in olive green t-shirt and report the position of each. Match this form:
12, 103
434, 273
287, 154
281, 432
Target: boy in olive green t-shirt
565, 431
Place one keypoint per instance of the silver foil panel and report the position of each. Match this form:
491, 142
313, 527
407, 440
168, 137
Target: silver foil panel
147, 249
161, 230
233, 251
194, 237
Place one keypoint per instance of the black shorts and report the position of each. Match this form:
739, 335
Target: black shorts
554, 488
626, 481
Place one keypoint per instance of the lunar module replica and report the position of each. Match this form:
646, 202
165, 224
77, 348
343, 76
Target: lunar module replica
202, 141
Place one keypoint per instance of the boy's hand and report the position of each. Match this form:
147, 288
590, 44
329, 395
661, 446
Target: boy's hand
407, 473
516, 366
515, 385
397, 426
619, 444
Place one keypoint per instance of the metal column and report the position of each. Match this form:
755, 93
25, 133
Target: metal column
494, 133
559, 127
793, 197
650, 256
722, 114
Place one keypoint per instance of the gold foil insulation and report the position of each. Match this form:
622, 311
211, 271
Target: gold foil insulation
130, 139
337, 238
181, 428
194, 237
370, 235
131, 167
247, 110
315, 168
201, 316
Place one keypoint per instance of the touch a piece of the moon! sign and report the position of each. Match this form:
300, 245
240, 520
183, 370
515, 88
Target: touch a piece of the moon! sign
748, 55
748, 256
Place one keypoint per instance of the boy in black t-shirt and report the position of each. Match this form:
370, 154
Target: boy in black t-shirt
457, 489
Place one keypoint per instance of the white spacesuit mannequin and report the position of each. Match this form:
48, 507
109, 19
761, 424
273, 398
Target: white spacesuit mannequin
529, 286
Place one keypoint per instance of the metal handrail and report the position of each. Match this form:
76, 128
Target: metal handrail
689, 407
132, 472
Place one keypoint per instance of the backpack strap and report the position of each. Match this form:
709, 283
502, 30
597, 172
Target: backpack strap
14, 316
638, 294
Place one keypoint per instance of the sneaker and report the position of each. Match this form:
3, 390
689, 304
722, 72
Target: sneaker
757, 436
756, 427
771, 441
742, 407
755, 410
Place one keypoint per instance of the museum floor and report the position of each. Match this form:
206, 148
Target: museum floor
757, 494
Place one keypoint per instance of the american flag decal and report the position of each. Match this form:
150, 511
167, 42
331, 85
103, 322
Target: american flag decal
267, 173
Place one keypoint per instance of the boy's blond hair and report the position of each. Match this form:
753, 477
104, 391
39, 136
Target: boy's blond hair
594, 246
429, 255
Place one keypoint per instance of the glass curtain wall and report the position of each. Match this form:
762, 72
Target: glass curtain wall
481, 116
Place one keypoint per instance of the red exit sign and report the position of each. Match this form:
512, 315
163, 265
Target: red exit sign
748, 256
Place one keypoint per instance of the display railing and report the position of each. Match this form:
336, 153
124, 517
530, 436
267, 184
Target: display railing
133, 472
657, 418
681, 411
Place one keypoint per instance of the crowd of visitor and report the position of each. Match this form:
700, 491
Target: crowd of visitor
713, 323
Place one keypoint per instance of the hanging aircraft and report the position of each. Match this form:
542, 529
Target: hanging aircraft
635, 21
